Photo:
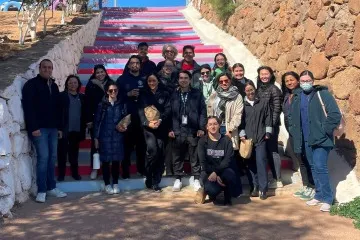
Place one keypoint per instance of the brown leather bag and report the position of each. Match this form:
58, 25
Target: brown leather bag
246, 147
125, 122
151, 113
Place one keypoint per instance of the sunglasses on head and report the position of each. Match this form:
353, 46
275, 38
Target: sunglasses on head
207, 73
112, 90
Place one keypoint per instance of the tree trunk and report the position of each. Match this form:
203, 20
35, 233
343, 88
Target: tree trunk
63, 17
32, 27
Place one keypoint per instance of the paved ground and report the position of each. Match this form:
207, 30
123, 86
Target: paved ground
144, 215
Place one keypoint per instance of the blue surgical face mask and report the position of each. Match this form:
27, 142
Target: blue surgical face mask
307, 86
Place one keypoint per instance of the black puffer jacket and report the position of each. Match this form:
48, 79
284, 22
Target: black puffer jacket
271, 93
240, 86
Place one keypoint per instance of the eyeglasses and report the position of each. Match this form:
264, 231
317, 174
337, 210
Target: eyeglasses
112, 90
205, 73
188, 53
134, 63
224, 81
169, 51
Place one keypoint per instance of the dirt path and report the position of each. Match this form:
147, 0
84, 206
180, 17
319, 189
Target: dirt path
15, 59
144, 215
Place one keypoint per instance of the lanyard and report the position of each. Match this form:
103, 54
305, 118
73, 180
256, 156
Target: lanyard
184, 98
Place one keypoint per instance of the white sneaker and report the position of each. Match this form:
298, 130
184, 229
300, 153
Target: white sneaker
177, 185
57, 193
109, 190
93, 174
41, 197
325, 207
116, 189
313, 202
272, 183
279, 184
196, 185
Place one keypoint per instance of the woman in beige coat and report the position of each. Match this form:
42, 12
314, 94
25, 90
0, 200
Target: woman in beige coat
227, 104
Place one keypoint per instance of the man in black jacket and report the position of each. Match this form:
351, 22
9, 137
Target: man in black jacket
215, 153
188, 124
269, 92
40, 101
189, 64
147, 66
131, 84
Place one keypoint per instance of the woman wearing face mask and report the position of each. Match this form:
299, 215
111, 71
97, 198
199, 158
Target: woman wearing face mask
239, 80
308, 115
290, 83
169, 52
167, 76
94, 92
109, 136
155, 131
72, 112
256, 124
207, 81
221, 65
269, 92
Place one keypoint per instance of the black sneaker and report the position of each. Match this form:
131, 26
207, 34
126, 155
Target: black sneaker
60, 178
263, 195
156, 188
77, 177
148, 184
255, 192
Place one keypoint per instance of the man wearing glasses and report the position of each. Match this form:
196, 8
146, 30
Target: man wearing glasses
189, 64
130, 85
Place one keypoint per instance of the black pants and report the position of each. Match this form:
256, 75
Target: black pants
272, 153
68, 148
213, 189
257, 166
114, 172
182, 145
134, 138
168, 158
243, 167
154, 164
93, 149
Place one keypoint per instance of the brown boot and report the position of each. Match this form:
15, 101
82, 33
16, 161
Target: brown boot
200, 196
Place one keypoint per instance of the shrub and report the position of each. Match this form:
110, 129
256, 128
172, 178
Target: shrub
223, 8
349, 210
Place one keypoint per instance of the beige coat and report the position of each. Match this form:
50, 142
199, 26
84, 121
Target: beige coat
233, 113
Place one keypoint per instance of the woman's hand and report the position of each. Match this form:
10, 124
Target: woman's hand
154, 124
120, 128
212, 177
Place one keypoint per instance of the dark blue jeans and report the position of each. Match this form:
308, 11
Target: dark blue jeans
213, 189
318, 158
257, 166
46, 150
273, 156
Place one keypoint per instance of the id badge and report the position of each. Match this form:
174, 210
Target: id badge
184, 120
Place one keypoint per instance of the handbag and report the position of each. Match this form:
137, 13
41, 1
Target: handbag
339, 130
125, 122
151, 113
246, 147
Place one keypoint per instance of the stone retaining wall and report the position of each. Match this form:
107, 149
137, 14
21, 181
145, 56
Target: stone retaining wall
17, 160
320, 35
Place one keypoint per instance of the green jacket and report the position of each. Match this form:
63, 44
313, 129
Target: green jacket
320, 127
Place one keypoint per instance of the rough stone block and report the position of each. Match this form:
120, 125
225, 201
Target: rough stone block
319, 65
286, 40
356, 59
355, 103
315, 7
25, 171
17, 142
5, 143
337, 64
15, 109
4, 112
343, 83
320, 40
356, 37
4, 162
311, 30
354, 7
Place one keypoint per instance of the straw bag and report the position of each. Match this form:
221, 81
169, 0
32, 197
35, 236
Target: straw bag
151, 113
125, 122
246, 147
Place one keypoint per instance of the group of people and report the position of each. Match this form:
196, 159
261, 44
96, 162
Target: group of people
179, 111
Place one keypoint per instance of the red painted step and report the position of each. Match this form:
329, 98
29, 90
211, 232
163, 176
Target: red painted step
147, 39
129, 30
109, 71
152, 49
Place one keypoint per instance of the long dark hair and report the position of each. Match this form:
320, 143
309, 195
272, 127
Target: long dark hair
284, 89
226, 66
68, 79
100, 66
272, 75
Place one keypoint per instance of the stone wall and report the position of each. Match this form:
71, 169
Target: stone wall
17, 160
320, 35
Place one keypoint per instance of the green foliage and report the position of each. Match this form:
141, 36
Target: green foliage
223, 8
349, 210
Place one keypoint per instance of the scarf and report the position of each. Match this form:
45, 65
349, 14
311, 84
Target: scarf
225, 96
100, 84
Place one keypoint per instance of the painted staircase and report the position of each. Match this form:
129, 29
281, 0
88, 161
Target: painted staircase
120, 31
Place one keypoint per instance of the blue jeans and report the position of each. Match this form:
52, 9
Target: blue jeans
318, 158
257, 165
46, 150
